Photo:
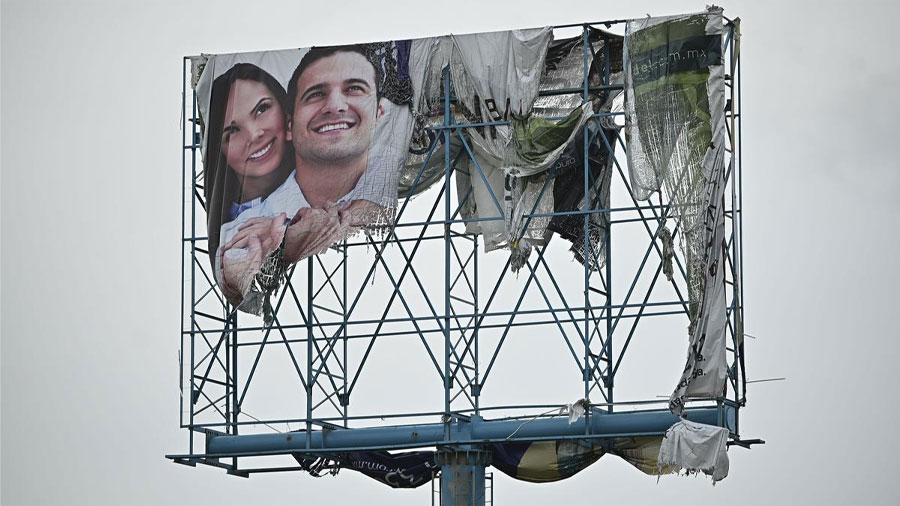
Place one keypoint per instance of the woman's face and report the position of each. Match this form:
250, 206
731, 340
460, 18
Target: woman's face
253, 135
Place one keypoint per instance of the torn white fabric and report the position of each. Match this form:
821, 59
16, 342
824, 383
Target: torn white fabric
503, 68
575, 410
198, 63
695, 447
496, 77
433, 54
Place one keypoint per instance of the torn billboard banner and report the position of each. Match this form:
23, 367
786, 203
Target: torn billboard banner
301, 148
675, 128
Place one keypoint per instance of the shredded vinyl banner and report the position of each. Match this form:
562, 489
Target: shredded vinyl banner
303, 148
675, 126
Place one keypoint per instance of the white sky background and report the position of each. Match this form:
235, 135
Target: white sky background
91, 176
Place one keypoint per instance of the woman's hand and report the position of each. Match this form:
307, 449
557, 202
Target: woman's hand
269, 231
240, 259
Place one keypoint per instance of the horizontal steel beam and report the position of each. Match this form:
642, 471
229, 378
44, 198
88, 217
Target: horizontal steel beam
462, 431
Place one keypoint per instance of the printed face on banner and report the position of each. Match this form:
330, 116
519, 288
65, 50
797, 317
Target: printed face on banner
254, 133
295, 164
335, 110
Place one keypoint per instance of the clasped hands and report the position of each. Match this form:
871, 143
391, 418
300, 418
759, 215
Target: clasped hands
310, 231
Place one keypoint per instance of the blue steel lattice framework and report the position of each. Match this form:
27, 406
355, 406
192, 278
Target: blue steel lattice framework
327, 327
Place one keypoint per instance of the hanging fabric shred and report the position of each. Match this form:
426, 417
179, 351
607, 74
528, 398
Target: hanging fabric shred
568, 194
668, 251
675, 127
397, 470
496, 77
695, 447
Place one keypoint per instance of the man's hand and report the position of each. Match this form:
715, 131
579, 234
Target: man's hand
358, 213
311, 231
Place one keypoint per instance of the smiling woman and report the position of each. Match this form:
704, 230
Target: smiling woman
247, 155
254, 132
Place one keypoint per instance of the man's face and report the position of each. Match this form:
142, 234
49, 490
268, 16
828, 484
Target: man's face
335, 109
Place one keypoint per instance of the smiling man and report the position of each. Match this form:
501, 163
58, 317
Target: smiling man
335, 100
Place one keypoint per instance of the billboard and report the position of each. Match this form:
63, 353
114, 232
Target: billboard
305, 147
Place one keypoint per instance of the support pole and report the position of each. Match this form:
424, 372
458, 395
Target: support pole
462, 475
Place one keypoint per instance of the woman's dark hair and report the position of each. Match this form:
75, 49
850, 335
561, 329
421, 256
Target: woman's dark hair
221, 185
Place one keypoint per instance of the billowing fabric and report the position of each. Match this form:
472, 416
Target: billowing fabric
675, 127
564, 69
547, 461
426, 85
688, 446
695, 447
705, 369
544, 461
641, 452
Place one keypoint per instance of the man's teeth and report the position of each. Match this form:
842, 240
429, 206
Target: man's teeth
336, 126
262, 152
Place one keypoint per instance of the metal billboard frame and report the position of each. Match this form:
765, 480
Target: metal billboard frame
214, 390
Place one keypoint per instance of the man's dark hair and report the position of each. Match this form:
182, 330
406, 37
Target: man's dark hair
317, 53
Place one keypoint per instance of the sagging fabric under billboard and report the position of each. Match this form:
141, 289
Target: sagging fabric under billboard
304, 147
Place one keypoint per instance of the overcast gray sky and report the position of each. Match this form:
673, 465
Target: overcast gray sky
90, 238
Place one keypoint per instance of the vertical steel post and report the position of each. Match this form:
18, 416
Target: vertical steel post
587, 253
235, 408
447, 376
232, 381
193, 260
736, 298
184, 65
345, 402
610, 328
228, 337
309, 350
477, 393
740, 212
462, 468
